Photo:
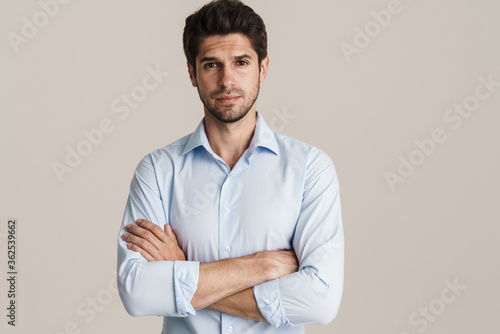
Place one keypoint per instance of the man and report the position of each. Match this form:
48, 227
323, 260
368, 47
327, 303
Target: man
233, 228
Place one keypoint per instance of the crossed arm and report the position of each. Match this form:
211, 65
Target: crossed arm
225, 285
160, 283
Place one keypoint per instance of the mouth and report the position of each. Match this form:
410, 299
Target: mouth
228, 98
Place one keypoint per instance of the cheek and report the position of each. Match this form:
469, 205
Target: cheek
249, 80
205, 82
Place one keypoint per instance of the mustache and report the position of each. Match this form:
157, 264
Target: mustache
225, 91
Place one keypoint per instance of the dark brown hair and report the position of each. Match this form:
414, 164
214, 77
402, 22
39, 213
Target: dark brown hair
223, 17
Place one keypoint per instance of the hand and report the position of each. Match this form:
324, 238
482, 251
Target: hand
279, 263
153, 243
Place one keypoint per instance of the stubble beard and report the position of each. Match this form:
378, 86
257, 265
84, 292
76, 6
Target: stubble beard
227, 113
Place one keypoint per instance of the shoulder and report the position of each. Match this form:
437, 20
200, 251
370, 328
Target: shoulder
164, 157
172, 150
311, 156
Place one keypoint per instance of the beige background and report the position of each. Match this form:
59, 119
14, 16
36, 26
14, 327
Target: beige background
402, 244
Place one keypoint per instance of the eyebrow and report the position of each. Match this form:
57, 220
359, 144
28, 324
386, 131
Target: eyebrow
243, 56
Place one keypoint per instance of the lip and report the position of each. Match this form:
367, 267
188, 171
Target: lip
228, 98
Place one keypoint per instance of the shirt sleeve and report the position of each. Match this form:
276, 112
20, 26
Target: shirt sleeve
313, 294
162, 288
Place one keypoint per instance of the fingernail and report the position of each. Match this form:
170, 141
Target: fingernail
124, 236
129, 245
138, 221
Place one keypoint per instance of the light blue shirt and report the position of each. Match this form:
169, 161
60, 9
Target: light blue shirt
281, 194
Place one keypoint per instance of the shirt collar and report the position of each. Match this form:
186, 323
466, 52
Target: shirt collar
263, 136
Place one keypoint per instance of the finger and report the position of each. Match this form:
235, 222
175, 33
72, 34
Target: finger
153, 228
141, 251
147, 235
165, 251
170, 233
144, 244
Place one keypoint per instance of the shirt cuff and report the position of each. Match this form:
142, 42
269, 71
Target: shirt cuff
270, 305
186, 275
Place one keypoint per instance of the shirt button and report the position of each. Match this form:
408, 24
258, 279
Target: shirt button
226, 210
230, 329
227, 248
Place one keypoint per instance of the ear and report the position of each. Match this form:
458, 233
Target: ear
191, 74
263, 68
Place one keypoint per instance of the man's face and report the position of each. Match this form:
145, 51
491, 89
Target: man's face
228, 76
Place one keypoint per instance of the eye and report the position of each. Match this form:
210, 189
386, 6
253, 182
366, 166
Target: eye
242, 62
210, 65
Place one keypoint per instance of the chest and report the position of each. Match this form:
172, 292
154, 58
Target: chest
222, 215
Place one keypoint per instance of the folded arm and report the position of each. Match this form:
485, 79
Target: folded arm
241, 304
225, 285
155, 280
243, 286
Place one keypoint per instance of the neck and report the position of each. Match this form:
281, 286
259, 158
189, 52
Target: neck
230, 140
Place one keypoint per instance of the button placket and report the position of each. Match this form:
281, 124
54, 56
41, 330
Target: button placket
224, 219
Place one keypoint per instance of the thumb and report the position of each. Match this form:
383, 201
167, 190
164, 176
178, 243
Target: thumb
170, 233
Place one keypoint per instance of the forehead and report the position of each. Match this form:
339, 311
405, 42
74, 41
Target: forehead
220, 46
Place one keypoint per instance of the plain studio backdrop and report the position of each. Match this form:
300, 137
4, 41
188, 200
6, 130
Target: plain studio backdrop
403, 95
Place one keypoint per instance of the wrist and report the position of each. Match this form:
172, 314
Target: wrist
262, 262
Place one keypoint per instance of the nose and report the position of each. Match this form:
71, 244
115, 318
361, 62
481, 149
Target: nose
226, 79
